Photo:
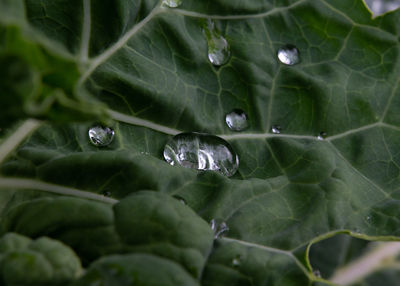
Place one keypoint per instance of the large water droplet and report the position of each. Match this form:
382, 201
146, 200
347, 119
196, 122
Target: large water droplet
289, 55
172, 3
218, 47
202, 152
236, 120
276, 129
101, 136
219, 228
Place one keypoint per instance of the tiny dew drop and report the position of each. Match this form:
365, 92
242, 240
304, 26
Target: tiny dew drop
172, 3
322, 135
202, 152
276, 129
317, 273
101, 136
236, 120
289, 55
236, 261
219, 228
218, 47
180, 199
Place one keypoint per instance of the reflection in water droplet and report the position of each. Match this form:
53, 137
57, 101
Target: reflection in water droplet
236, 120
317, 273
172, 3
219, 228
322, 135
218, 47
289, 55
236, 261
101, 136
180, 199
202, 152
276, 129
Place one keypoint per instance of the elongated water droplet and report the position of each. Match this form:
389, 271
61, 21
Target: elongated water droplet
202, 152
180, 199
172, 3
219, 228
276, 129
236, 120
101, 136
322, 135
218, 47
289, 55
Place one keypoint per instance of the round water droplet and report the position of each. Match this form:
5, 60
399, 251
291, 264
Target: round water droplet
219, 228
172, 3
180, 199
317, 273
236, 261
289, 55
202, 152
322, 135
276, 129
236, 120
101, 136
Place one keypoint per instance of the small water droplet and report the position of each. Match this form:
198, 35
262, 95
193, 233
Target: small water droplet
219, 228
218, 47
202, 152
101, 136
276, 129
236, 261
236, 120
289, 55
321, 135
172, 3
317, 273
180, 199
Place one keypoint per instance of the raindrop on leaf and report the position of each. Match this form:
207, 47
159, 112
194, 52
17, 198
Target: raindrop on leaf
180, 199
218, 47
322, 135
317, 273
289, 55
219, 228
202, 152
276, 129
236, 120
172, 3
101, 136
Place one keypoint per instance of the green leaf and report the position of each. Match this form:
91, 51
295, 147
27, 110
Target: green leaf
351, 261
40, 262
149, 65
136, 269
